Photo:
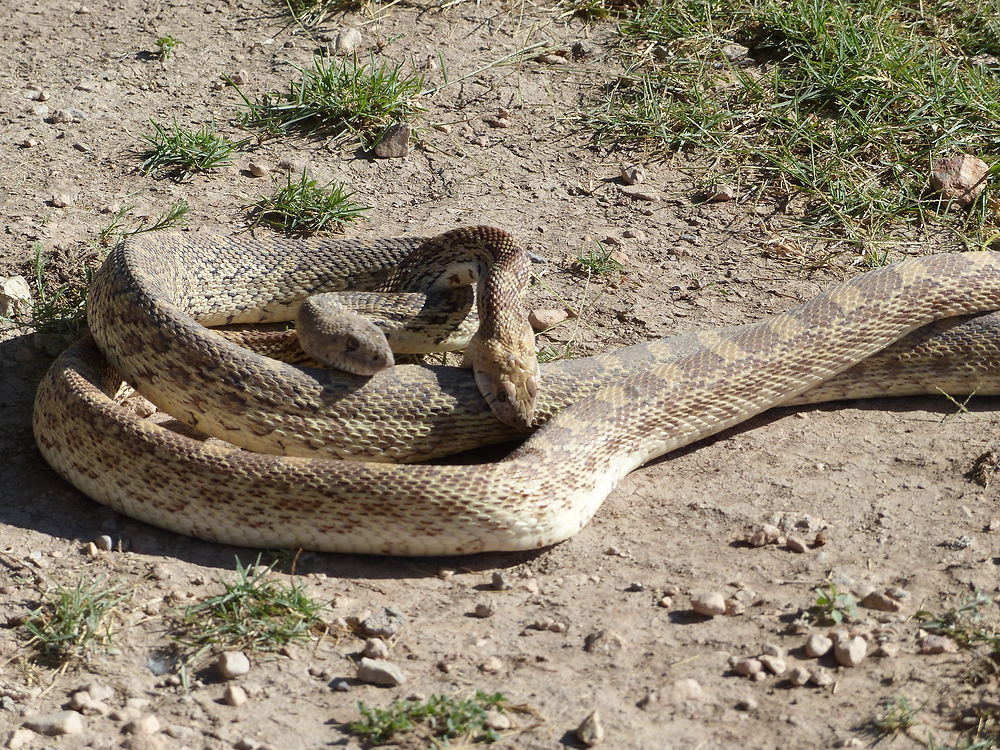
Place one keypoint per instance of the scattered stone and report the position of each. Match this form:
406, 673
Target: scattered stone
686, 691
897, 593
541, 319
796, 544
104, 543
959, 179
36, 95
633, 174
818, 645
634, 234
497, 720
642, 195
747, 666
341, 685
734, 52
147, 724
384, 624
491, 665
15, 296
603, 642
766, 534
881, 601
62, 199
746, 704
709, 603
719, 193
501, 581
581, 49
346, 41
295, 166
52, 725
734, 607
395, 142
380, 672
590, 731
887, 650
240, 78
550, 59
937, 644
259, 168
850, 652
234, 695
485, 609
28, 143
773, 664
85, 703
99, 691
820, 677
65, 116
232, 664
376, 648
773, 649
19, 738
799, 676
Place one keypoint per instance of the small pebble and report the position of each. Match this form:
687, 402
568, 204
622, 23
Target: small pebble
709, 603
850, 652
497, 720
937, 644
590, 731
799, 676
773, 664
147, 724
346, 41
603, 642
232, 664
384, 624
720, 193
376, 648
104, 543
887, 650
485, 609
380, 672
747, 666
818, 645
541, 320
259, 168
501, 581
62, 199
240, 78
395, 142
341, 685
491, 665
234, 695
633, 174
746, 704
796, 544
52, 725
881, 601
820, 677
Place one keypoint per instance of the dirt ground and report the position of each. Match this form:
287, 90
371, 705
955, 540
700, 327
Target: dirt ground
885, 481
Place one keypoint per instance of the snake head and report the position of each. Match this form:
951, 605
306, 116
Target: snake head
507, 376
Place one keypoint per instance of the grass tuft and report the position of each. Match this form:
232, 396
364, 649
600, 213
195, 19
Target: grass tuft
339, 97
311, 13
897, 717
832, 606
182, 152
438, 718
302, 205
165, 47
175, 216
598, 262
64, 627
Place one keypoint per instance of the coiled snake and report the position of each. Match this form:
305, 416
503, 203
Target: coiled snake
642, 402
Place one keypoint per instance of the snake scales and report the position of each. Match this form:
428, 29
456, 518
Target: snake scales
150, 290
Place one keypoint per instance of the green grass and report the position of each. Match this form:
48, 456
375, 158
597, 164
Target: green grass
598, 262
301, 205
841, 108
310, 13
555, 352
181, 152
57, 307
165, 47
65, 626
175, 216
439, 718
898, 715
341, 98
831, 606
256, 613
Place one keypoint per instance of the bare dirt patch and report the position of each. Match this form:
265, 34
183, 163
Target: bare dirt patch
884, 481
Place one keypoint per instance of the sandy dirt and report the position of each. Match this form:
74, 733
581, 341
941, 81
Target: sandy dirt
885, 481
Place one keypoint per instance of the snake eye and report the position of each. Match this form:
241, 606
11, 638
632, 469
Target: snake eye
351, 344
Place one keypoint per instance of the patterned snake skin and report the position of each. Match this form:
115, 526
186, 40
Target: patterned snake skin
543, 493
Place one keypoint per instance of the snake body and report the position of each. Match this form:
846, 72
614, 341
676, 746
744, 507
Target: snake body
542, 493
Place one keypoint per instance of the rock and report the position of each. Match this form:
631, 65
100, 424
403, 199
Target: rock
99, 691
959, 179
850, 652
497, 720
15, 296
232, 664
633, 174
541, 319
766, 534
747, 666
799, 676
773, 649
85, 703
64, 116
734, 607
603, 642
734, 52
147, 724
234, 695
686, 690
709, 603
62, 199
773, 664
485, 609
61, 722
492, 665
590, 731
501, 581
259, 168
887, 650
746, 704
642, 195
384, 624
820, 677
937, 644
346, 41
881, 601
380, 672
394, 143
818, 645
240, 78
376, 648
104, 543
796, 544
719, 193
633, 234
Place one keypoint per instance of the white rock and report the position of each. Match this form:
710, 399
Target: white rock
632, 174
818, 645
720, 193
62, 199
747, 666
147, 724
21, 737
959, 178
937, 644
61, 722
232, 664
376, 648
384, 624
485, 609
346, 41
710, 603
773, 664
590, 731
850, 652
881, 601
234, 695
820, 677
496, 720
15, 296
796, 544
541, 319
799, 676
380, 672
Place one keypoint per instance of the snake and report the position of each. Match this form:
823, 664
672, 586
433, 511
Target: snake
597, 418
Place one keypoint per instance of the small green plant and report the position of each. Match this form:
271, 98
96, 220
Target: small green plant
554, 352
302, 205
181, 152
596, 10
310, 13
339, 97
255, 613
832, 606
165, 46
898, 715
598, 262
965, 624
57, 307
64, 627
175, 216
439, 718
